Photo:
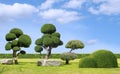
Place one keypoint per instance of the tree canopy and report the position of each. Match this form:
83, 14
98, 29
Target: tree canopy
74, 44
16, 39
49, 40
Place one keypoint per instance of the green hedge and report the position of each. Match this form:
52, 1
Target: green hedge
56, 56
53, 56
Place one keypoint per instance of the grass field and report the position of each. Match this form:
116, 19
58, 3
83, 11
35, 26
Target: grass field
29, 66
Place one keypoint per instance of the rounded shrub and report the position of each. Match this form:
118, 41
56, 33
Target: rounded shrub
67, 56
18, 32
48, 29
87, 62
105, 59
24, 41
10, 36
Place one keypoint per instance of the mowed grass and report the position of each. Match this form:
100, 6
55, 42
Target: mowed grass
29, 66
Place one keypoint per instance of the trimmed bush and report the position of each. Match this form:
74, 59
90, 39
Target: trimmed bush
67, 56
87, 62
105, 59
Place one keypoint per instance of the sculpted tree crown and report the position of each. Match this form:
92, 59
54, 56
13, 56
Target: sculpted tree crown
18, 32
48, 29
75, 44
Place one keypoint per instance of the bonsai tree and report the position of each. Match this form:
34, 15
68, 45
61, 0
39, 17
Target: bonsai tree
49, 40
16, 39
74, 44
67, 56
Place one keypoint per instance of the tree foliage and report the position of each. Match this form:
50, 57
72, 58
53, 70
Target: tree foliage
16, 39
67, 56
49, 40
74, 44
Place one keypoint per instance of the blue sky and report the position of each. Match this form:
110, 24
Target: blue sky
95, 22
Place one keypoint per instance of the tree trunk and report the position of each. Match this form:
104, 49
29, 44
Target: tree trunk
71, 50
48, 52
67, 61
15, 57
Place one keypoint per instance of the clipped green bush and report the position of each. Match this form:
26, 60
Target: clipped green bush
67, 56
105, 59
87, 62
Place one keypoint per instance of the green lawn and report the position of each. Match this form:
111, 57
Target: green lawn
29, 66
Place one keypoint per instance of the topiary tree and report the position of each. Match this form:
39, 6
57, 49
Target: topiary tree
74, 44
67, 56
87, 62
49, 40
16, 39
105, 59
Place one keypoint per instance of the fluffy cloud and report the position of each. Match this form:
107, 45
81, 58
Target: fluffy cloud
15, 11
107, 7
60, 15
47, 4
74, 3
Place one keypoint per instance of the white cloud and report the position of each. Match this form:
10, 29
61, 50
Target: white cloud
74, 4
108, 7
92, 41
15, 11
60, 15
47, 4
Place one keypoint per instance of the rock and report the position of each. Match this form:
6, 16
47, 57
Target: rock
6, 61
49, 63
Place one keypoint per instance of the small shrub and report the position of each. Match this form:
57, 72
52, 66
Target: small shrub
67, 56
105, 59
87, 62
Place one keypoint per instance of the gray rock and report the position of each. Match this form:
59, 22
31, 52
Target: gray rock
49, 63
6, 61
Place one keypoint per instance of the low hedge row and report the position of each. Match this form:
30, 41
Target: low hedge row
53, 56
38, 56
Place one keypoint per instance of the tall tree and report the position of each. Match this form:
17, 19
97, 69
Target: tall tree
16, 39
49, 40
74, 44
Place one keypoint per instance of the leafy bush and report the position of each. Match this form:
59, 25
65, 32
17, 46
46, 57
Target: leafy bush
105, 59
87, 62
67, 56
